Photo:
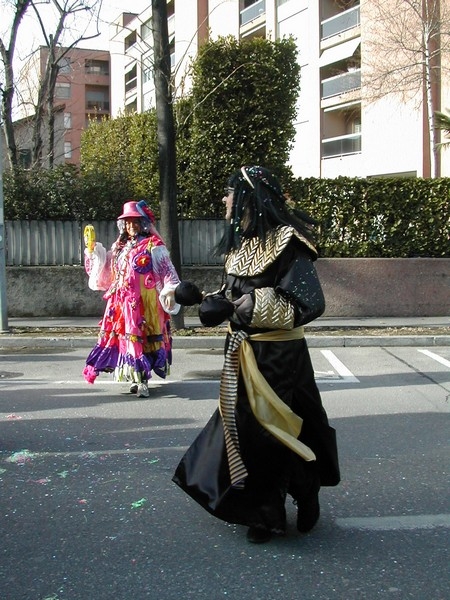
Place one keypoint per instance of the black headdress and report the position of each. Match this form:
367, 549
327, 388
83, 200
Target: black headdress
259, 206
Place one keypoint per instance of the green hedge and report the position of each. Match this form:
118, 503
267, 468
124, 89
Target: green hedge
357, 217
388, 217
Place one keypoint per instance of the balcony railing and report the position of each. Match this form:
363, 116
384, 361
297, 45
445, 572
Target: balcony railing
252, 12
340, 84
341, 22
97, 105
131, 85
340, 146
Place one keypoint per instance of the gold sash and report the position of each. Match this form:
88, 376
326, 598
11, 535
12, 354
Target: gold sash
270, 411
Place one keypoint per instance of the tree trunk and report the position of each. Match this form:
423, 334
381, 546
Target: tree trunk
51, 111
8, 128
7, 57
166, 139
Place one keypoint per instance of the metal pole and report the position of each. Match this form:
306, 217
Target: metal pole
3, 306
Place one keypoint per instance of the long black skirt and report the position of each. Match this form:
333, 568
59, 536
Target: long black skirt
273, 469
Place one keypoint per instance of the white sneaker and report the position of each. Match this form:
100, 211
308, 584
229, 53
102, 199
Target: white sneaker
142, 391
133, 388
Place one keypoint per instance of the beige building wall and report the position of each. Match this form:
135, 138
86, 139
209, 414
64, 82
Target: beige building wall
341, 129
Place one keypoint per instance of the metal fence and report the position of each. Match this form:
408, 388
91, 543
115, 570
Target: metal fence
50, 243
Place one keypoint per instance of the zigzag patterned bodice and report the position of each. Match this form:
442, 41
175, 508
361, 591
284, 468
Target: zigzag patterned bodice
253, 257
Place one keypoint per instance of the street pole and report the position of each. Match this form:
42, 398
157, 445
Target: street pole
3, 306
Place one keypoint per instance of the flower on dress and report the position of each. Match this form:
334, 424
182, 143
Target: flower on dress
149, 281
142, 262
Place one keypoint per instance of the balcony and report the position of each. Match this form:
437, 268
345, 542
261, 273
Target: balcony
340, 84
130, 85
97, 105
342, 22
252, 12
342, 145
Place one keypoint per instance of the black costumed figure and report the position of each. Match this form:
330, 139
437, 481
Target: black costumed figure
270, 435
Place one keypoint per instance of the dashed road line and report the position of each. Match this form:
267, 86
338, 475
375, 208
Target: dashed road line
345, 375
395, 523
436, 357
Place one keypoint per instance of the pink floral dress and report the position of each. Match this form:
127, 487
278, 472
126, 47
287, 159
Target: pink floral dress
135, 337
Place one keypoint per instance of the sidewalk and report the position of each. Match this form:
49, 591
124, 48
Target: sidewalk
61, 332
335, 322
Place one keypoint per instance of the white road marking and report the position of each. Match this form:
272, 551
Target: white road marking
436, 357
345, 375
395, 523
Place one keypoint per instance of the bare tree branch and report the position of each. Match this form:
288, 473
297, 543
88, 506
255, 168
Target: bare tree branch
7, 57
406, 59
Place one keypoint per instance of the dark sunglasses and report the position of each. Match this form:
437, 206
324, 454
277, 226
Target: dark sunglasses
228, 191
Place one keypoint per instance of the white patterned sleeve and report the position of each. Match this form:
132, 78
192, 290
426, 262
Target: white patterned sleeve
166, 279
98, 266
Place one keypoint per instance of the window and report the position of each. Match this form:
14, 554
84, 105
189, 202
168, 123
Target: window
97, 99
62, 90
64, 65
252, 10
96, 67
341, 129
146, 29
130, 40
147, 74
67, 120
131, 79
131, 108
67, 150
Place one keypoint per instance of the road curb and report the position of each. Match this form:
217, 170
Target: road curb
212, 342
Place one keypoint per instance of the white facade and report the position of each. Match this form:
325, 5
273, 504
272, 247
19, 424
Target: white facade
340, 131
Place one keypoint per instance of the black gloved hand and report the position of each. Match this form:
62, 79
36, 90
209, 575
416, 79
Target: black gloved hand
244, 308
214, 310
187, 294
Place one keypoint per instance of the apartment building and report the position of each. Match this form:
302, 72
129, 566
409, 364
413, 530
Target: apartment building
341, 128
82, 93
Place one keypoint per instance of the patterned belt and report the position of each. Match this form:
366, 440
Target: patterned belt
267, 407
227, 405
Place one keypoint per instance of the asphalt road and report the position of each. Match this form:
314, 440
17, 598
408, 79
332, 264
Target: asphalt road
89, 511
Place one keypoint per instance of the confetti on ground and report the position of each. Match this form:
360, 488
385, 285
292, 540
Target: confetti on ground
88, 455
13, 417
139, 503
63, 474
21, 457
42, 481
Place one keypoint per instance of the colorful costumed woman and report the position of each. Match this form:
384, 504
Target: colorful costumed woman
270, 435
140, 282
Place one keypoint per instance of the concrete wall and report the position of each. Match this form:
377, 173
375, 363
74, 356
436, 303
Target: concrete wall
353, 287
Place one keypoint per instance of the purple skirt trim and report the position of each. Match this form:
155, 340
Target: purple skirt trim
108, 359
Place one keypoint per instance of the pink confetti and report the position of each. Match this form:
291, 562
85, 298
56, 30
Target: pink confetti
13, 416
21, 457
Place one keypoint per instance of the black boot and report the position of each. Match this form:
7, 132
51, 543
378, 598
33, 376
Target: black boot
258, 535
308, 508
